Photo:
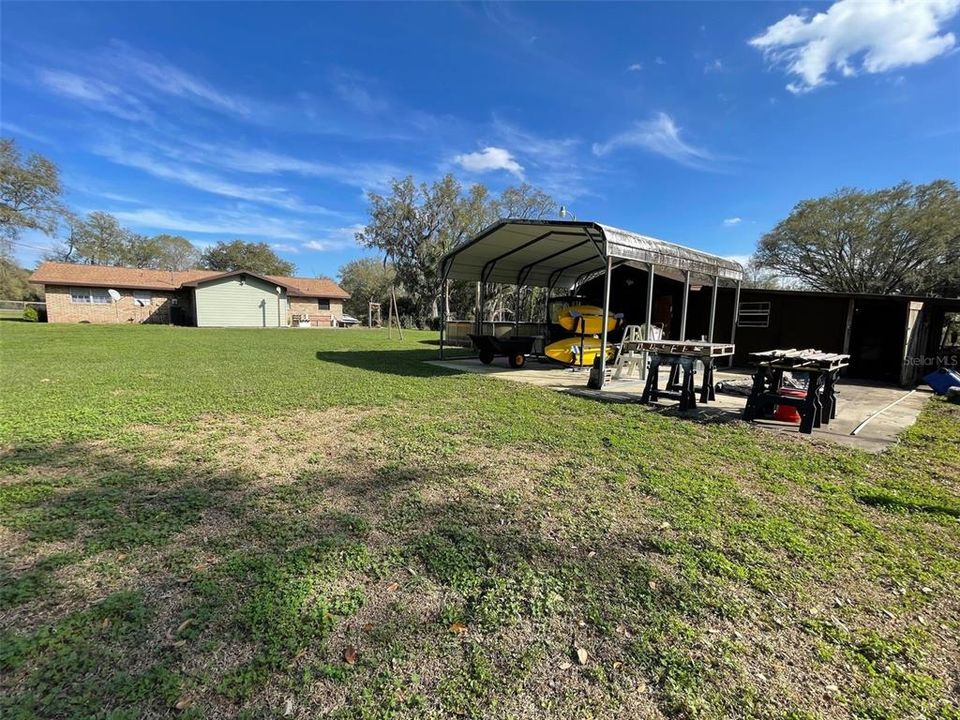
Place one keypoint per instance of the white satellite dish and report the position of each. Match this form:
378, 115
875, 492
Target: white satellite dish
114, 295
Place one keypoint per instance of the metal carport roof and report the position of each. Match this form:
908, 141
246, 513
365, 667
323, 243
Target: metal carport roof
563, 253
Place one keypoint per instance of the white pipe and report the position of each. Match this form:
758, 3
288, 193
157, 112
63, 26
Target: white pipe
736, 319
686, 302
862, 425
606, 318
713, 307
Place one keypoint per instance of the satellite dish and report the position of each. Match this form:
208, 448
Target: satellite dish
279, 290
114, 295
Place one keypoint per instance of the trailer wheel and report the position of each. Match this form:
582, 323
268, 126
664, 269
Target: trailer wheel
486, 356
518, 360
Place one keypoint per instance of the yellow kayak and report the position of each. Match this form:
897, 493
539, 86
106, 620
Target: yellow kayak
591, 316
567, 351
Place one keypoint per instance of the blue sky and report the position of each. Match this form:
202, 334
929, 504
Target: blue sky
700, 123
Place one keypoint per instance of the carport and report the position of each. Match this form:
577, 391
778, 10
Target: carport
564, 254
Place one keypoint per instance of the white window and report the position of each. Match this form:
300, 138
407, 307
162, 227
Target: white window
754, 314
143, 298
95, 296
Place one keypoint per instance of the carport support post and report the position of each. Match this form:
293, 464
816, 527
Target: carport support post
686, 301
606, 318
648, 328
713, 307
736, 319
516, 312
479, 330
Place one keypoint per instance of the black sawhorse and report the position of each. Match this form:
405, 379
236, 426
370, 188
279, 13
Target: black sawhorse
818, 406
685, 390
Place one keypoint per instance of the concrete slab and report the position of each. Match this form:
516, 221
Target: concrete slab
888, 409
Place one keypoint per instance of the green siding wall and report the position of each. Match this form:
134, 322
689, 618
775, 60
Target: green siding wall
229, 303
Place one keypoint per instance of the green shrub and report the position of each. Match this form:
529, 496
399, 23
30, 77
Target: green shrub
30, 314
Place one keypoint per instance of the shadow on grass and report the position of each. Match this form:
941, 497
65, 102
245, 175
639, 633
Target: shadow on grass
896, 504
139, 582
409, 363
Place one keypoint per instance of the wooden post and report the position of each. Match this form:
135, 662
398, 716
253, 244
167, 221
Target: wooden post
390, 316
395, 311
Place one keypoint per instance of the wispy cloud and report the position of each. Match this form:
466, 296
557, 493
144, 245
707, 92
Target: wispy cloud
335, 239
854, 37
354, 89
554, 163
236, 222
285, 248
489, 159
659, 60
730, 222
171, 80
635, 67
208, 182
94, 93
9, 128
362, 175
659, 135
714, 66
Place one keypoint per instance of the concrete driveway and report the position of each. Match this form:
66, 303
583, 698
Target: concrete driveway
887, 410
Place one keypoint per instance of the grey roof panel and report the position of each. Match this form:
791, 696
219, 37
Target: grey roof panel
560, 253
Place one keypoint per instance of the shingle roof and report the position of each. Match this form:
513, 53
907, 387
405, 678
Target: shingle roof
312, 287
55, 273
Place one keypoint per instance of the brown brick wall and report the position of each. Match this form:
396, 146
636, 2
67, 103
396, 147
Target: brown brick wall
309, 306
61, 308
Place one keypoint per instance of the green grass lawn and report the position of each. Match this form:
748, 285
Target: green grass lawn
293, 523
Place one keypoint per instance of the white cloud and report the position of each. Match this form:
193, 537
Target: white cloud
488, 160
854, 36
366, 176
714, 66
660, 61
208, 182
553, 163
636, 67
7, 128
659, 135
742, 259
730, 222
226, 222
336, 239
169, 79
285, 247
97, 94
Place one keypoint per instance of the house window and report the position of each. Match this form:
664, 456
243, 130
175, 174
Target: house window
143, 298
90, 296
323, 303
754, 314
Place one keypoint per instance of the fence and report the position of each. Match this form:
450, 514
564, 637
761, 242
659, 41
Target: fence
15, 308
459, 331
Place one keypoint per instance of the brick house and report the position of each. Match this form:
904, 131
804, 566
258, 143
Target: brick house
206, 298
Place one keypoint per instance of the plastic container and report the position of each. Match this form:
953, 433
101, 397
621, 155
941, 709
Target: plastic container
788, 413
942, 380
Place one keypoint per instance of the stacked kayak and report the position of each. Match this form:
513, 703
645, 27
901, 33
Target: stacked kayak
586, 321
568, 351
